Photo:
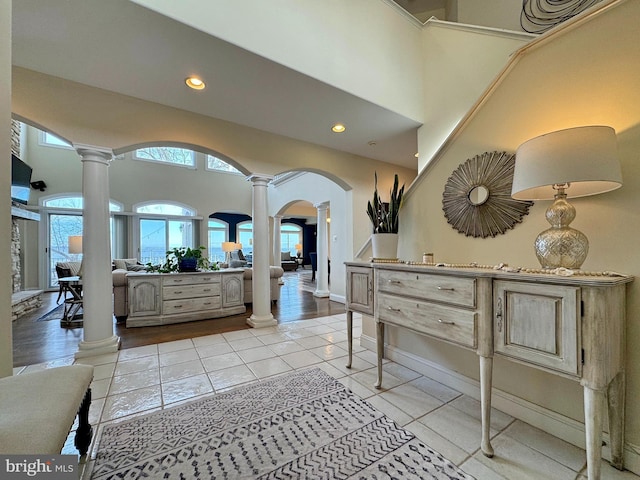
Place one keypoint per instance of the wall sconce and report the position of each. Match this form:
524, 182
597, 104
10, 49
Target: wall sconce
575, 162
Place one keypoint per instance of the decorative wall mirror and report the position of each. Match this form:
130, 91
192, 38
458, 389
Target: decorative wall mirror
477, 196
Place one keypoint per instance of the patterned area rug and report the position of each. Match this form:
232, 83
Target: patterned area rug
300, 426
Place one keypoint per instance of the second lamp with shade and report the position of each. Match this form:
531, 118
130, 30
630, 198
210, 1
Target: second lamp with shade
575, 162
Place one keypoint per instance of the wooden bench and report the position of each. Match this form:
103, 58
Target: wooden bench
37, 410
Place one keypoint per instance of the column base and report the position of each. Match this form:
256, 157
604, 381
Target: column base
100, 347
280, 281
261, 321
321, 293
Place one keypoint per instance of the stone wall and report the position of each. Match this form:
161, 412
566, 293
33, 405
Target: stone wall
16, 265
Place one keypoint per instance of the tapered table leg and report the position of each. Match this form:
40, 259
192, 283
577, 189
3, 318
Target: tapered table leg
350, 336
615, 404
486, 375
593, 411
380, 351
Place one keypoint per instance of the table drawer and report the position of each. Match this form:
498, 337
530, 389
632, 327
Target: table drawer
190, 291
441, 321
186, 279
171, 307
438, 288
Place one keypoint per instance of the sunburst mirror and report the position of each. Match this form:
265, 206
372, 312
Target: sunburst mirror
477, 196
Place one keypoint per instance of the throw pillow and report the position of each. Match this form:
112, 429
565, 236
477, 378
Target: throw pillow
134, 267
285, 256
121, 263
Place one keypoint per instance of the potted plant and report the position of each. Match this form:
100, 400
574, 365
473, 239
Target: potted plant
385, 220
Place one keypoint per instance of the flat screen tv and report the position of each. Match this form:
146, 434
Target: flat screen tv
20, 180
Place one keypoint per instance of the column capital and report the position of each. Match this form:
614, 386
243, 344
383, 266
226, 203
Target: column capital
321, 205
92, 153
260, 178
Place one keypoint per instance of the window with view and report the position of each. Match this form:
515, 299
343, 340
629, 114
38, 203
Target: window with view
290, 236
173, 155
218, 232
158, 235
214, 163
50, 140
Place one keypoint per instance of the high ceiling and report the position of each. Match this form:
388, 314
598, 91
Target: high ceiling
122, 47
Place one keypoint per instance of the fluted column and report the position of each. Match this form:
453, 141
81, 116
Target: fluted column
277, 244
261, 316
322, 247
97, 283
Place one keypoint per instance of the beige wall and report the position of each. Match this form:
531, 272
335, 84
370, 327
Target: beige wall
70, 110
578, 76
6, 351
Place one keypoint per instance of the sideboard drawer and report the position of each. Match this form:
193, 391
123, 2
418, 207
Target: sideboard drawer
186, 279
441, 321
439, 288
189, 291
170, 307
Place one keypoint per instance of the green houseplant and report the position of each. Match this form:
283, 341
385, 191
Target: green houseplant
183, 259
385, 220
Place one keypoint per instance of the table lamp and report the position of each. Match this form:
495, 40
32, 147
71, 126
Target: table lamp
75, 244
298, 247
575, 162
228, 247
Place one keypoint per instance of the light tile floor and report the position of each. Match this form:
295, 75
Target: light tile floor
140, 380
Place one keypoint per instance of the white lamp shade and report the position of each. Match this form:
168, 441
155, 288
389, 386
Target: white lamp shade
228, 246
75, 244
585, 157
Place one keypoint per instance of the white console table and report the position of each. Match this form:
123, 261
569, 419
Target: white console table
569, 326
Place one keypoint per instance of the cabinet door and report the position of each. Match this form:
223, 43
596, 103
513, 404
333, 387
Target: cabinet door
144, 296
538, 324
232, 290
360, 289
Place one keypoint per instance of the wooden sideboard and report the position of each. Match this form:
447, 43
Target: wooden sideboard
571, 326
162, 298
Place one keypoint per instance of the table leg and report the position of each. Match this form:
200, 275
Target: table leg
380, 351
350, 335
593, 411
486, 374
615, 404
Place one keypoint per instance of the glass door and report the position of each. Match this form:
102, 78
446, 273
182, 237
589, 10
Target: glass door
61, 227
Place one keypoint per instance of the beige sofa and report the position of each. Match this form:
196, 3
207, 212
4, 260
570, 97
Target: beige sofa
120, 294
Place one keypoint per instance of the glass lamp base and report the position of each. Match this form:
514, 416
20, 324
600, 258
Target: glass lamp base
562, 247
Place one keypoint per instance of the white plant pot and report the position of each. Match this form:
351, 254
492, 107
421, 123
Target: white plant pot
384, 245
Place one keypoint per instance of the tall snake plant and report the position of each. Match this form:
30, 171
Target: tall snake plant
384, 216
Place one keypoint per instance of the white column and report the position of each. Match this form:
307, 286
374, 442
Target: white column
277, 244
322, 247
261, 316
97, 283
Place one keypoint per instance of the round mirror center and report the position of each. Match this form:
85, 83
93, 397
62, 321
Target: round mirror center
478, 194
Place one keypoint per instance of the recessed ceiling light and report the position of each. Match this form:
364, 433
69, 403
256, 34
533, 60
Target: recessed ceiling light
338, 128
195, 83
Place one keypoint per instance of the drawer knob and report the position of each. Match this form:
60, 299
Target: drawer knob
447, 289
177, 280
178, 293
395, 282
177, 306
391, 309
445, 322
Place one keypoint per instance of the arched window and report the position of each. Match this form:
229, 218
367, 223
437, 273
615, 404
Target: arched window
214, 163
63, 219
176, 156
218, 232
244, 235
290, 236
160, 229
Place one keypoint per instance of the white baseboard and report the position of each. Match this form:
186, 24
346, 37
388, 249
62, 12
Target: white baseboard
338, 298
546, 420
